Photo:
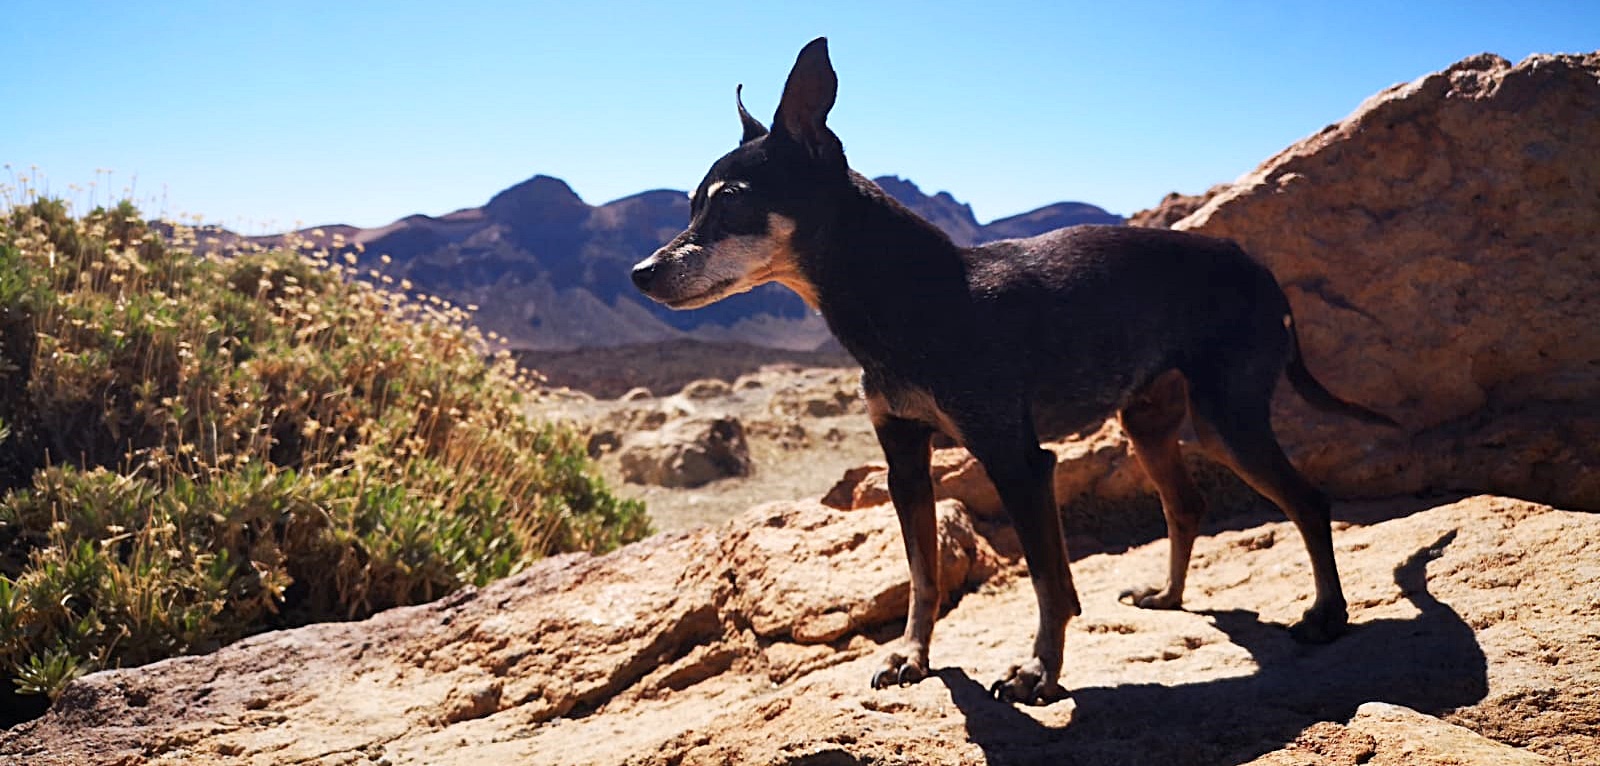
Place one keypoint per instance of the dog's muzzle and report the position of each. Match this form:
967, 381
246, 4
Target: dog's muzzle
645, 273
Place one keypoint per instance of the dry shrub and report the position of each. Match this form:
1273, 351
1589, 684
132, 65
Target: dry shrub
194, 448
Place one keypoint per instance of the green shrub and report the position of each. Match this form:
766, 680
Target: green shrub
216, 445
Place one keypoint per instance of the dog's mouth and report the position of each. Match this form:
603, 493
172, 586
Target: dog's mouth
717, 291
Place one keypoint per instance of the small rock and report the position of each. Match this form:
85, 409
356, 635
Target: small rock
469, 702
1382, 734
709, 388
687, 453
601, 442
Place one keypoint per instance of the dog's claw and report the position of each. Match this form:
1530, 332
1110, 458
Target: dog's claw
909, 674
900, 672
1150, 598
878, 678
1028, 688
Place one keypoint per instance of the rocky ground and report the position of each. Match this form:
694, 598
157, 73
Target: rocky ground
1474, 641
748, 636
609, 372
801, 429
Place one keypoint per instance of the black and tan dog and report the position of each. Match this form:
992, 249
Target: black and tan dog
999, 345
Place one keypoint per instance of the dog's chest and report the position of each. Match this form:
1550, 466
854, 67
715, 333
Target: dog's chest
910, 403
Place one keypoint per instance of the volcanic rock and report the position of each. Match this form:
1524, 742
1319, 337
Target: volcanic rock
753, 642
1439, 248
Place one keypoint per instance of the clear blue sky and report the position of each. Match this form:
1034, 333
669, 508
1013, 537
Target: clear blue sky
261, 115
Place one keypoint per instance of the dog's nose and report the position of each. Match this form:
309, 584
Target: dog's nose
644, 274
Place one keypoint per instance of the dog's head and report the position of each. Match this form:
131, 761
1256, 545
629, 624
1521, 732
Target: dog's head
757, 202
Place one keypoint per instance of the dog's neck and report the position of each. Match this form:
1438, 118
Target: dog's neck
886, 280
875, 246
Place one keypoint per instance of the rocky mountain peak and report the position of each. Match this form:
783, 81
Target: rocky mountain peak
942, 209
958, 221
538, 192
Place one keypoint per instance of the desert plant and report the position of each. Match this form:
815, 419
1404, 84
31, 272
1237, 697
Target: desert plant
218, 444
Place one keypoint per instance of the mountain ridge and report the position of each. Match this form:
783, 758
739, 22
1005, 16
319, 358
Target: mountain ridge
550, 271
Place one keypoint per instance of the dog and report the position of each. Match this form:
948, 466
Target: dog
998, 345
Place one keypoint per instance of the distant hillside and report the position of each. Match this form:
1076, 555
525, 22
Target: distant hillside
957, 220
549, 271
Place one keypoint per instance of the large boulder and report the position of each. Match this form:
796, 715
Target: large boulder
1173, 208
1441, 250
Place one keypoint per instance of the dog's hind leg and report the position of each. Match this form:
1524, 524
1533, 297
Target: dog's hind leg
1024, 475
906, 448
1240, 433
1152, 420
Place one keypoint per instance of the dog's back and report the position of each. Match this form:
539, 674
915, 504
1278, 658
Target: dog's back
1096, 312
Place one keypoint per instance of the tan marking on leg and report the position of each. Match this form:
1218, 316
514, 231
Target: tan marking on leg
1152, 420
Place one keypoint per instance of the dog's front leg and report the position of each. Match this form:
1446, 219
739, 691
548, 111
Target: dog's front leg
906, 448
1023, 474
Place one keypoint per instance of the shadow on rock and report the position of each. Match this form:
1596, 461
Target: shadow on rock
1431, 663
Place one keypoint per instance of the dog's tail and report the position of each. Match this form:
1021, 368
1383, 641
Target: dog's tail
1319, 396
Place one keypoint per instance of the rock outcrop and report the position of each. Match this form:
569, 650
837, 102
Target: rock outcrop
1441, 250
1173, 208
752, 642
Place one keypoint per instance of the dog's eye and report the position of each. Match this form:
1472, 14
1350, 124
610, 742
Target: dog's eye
731, 190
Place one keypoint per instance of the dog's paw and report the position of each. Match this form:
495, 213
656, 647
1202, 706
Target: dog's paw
1028, 686
900, 670
1320, 625
1151, 598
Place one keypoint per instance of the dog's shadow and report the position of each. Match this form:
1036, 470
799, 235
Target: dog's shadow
1430, 663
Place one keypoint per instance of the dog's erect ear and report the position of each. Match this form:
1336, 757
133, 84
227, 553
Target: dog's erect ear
753, 129
808, 95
